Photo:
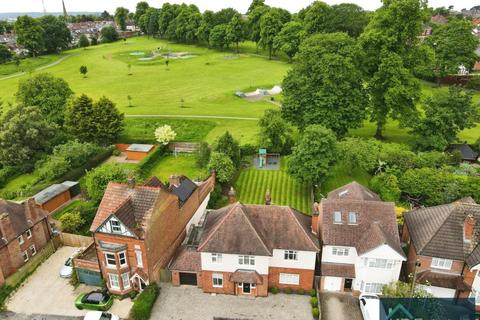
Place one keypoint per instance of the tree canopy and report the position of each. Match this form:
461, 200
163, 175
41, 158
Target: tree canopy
121, 16
30, 34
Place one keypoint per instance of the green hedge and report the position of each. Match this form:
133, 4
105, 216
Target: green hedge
77, 173
146, 165
142, 307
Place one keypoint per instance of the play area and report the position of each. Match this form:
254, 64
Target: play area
260, 93
266, 161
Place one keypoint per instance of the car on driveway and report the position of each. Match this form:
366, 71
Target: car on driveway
67, 268
95, 300
100, 315
370, 306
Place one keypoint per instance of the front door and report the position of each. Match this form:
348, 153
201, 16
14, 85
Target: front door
348, 284
141, 284
246, 288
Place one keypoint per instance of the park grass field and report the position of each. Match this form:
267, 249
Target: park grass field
252, 185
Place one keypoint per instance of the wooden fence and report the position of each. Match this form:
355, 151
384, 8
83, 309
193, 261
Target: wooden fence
75, 240
183, 147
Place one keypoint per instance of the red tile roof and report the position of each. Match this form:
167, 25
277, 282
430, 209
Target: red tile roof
338, 270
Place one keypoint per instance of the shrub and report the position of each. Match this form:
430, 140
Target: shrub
203, 155
315, 313
312, 292
142, 307
6, 173
300, 291
227, 145
96, 181
116, 152
248, 150
71, 222
165, 134
133, 294
386, 185
4, 294
74, 279
274, 290
313, 301
223, 165
287, 290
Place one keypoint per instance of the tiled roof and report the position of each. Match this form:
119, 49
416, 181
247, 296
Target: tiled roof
338, 270
248, 276
438, 231
465, 150
186, 259
256, 230
443, 280
376, 220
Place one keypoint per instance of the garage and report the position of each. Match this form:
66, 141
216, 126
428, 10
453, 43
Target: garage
332, 283
188, 278
90, 278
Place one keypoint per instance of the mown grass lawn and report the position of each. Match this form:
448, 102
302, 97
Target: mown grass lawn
252, 185
178, 165
340, 176
27, 65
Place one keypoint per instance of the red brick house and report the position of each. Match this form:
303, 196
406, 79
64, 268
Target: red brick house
24, 231
443, 248
246, 249
137, 229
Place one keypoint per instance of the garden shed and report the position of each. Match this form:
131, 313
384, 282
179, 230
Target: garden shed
138, 151
56, 195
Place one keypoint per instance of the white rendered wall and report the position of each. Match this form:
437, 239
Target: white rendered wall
305, 260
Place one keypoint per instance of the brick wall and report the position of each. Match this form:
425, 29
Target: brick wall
207, 283
306, 278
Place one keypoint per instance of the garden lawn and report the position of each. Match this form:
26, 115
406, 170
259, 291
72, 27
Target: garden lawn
252, 185
180, 165
340, 176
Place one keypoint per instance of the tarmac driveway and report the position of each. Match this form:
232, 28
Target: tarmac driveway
339, 306
45, 293
190, 303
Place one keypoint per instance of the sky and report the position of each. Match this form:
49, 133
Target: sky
240, 5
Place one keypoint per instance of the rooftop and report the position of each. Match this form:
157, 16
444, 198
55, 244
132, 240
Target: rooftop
52, 191
140, 147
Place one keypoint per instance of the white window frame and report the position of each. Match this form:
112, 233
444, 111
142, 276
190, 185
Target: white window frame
124, 253
246, 260
355, 218
336, 215
380, 263
373, 287
290, 255
29, 233
217, 258
217, 280
25, 256
138, 255
441, 263
107, 259
112, 276
289, 278
340, 252
34, 251
113, 227
20, 239
126, 280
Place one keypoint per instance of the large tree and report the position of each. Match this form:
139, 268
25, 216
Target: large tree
140, 10
318, 18
349, 18
57, 36
275, 132
151, 21
168, 12
218, 36
236, 30
288, 40
206, 26
30, 34
25, 135
226, 144
325, 86
270, 26
46, 93
314, 155
79, 119
121, 16
255, 4
253, 23
109, 34
5, 54
389, 48
454, 45
446, 115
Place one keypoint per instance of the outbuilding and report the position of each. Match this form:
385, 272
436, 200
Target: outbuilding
138, 151
56, 195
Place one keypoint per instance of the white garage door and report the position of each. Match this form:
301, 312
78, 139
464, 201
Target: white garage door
332, 284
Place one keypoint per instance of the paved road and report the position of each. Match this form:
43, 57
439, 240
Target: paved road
186, 116
22, 316
18, 74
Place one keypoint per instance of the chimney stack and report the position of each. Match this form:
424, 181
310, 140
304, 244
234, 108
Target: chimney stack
468, 226
174, 180
30, 211
232, 196
268, 198
6, 227
316, 218
131, 181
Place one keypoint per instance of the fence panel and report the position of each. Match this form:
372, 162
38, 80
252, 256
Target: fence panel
75, 240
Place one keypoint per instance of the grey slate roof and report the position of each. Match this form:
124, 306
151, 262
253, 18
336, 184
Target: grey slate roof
465, 150
50, 192
438, 231
184, 190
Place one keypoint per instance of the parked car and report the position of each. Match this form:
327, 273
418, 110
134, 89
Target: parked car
67, 268
100, 315
370, 306
95, 300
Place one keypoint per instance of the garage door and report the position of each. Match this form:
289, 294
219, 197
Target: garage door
90, 278
188, 278
332, 283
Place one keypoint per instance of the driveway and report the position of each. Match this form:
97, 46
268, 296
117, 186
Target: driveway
45, 293
190, 303
339, 306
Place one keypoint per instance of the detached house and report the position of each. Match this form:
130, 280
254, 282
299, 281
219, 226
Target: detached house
137, 229
246, 249
360, 241
443, 248
24, 230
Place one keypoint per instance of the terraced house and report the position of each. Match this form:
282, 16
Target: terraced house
360, 241
246, 249
137, 229
444, 249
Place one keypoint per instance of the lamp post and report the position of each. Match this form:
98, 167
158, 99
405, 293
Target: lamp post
417, 264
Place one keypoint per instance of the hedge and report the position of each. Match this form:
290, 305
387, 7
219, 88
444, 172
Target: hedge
142, 307
77, 173
145, 166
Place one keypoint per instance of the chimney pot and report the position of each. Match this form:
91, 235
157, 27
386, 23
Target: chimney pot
131, 182
232, 196
268, 198
174, 180
468, 226
6, 226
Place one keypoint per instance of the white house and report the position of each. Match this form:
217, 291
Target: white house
360, 241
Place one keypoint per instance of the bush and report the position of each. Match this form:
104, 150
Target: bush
287, 290
71, 222
300, 291
386, 185
314, 301
223, 166
274, 290
96, 181
4, 294
165, 134
109, 34
315, 313
312, 292
203, 155
6, 173
142, 307
248, 150
133, 294
217, 199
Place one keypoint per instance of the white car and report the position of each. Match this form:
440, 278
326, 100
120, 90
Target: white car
100, 315
67, 268
370, 306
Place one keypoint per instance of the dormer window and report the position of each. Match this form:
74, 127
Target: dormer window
115, 226
352, 218
337, 217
